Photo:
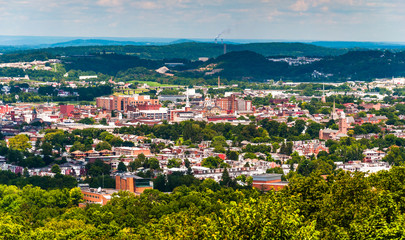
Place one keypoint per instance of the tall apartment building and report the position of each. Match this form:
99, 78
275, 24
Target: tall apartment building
66, 109
232, 104
121, 102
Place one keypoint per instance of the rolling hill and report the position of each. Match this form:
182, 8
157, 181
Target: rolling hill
194, 50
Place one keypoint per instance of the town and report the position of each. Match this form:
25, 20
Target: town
162, 120
137, 135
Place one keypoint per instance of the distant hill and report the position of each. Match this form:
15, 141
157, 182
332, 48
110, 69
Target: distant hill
287, 49
194, 50
182, 41
94, 42
360, 45
248, 65
354, 65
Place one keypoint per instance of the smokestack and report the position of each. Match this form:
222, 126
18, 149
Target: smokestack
219, 81
225, 48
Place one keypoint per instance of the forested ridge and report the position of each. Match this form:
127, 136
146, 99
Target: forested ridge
243, 62
345, 205
194, 50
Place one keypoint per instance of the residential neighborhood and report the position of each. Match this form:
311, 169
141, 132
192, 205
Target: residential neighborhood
126, 129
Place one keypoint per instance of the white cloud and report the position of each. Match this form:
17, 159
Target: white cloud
148, 5
271, 16
300, 6
110, 3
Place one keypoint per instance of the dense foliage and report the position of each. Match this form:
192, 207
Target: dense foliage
344, 206
59, 181
242, 62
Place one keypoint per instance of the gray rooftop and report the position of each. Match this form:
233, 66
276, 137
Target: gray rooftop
267, 177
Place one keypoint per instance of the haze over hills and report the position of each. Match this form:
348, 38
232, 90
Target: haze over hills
365, 45
12, 43
194, 50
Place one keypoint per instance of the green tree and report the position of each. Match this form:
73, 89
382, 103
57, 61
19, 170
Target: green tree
77, 146
154, 163
26, 173
103, 121
174, 163
102, 146
219, 144
213, 162
395, 156
226, 180
46, 149
88, 121
121, 167
76, 196
277, 170
56, 169
19, 142
98, 168
232, 155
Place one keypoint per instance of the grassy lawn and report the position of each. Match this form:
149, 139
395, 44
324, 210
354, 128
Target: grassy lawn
154, 84
73, 102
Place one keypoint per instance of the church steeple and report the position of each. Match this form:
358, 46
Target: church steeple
187, 101
334, 114
34, 113
323, 94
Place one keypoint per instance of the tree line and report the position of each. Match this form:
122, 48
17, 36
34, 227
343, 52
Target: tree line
345, 205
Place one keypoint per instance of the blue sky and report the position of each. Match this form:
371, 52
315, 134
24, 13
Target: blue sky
348, 20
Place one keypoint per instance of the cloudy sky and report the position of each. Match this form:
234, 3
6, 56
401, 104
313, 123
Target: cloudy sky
349, 20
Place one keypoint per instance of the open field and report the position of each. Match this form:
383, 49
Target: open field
154, 84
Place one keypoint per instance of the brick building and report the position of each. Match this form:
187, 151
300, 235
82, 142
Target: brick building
326, 134
121, 102
131, 151
132, 183
232, 104
66, 109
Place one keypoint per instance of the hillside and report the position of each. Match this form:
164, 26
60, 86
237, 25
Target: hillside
287, 49
109, 64
194, 50
242, 62
248, 65
354, 65
361, 45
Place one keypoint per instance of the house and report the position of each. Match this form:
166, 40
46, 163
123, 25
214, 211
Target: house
372, 155
369, 106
